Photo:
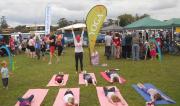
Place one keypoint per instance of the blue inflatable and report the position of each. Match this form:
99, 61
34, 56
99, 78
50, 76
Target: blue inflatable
9, 55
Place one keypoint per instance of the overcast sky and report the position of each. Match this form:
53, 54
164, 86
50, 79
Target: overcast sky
21, 12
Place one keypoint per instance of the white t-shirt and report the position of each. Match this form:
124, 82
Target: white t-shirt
78, 47
31, 42
66, 97
108, 40
109, 95
152, 92
4, 72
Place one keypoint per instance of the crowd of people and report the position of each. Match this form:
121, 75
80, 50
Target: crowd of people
36, 46
136, 44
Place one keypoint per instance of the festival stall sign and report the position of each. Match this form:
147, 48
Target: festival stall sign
94, 22
178, 29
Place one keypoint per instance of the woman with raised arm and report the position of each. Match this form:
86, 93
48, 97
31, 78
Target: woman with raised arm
78, 43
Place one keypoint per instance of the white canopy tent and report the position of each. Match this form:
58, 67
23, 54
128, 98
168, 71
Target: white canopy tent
79, 25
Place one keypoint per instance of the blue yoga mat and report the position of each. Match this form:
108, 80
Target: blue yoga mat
147, 97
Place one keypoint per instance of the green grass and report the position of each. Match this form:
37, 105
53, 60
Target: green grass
32, 73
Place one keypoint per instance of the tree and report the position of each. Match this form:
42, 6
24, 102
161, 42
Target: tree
110, 21
3, 22
125, 19
62, 22
137, 17
21, 28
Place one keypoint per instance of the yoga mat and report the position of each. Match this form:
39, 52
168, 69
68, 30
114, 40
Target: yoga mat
59, 98
81, 80
39, 95
103, 74
52, 82
104, 100
147, 96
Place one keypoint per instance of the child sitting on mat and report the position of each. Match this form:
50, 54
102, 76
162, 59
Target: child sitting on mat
113, 75
69, 98
88, 78
154, 94
110, 94
25, 101
59, 78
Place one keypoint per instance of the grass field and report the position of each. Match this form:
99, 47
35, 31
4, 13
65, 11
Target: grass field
32, 73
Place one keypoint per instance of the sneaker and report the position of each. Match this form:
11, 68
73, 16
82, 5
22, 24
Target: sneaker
49, 63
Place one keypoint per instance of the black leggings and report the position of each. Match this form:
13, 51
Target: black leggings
106, 90
5, 82
79, 56
60, 49
68, 92
29, 99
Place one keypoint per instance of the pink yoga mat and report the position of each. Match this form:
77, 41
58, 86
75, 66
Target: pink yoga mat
103, 74
39, 95
59, 99
52, 82
104, 100
81, 80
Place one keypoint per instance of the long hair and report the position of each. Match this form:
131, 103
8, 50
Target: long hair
115, 98
115, 79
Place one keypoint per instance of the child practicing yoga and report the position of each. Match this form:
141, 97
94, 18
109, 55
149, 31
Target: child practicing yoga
88, 78
69, 98
113, 75
59, 78
110, 94
25, 101
154, 94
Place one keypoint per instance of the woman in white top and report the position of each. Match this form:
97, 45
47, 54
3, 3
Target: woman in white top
31, 44
78, 43
69, 98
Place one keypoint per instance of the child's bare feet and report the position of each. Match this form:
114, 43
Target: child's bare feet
140, 85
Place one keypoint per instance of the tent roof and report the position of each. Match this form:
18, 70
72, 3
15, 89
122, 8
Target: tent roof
173, 22
79, 25
146, 22
112, 28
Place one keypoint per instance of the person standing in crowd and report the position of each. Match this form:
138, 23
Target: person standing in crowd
123, 43
108, 42
27, 48
23, 45
135, 46
128, 42
78, 43
43, 48
38, 47
59, 44
31, 44
113, 47
117, 44
12, 45
52, 44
